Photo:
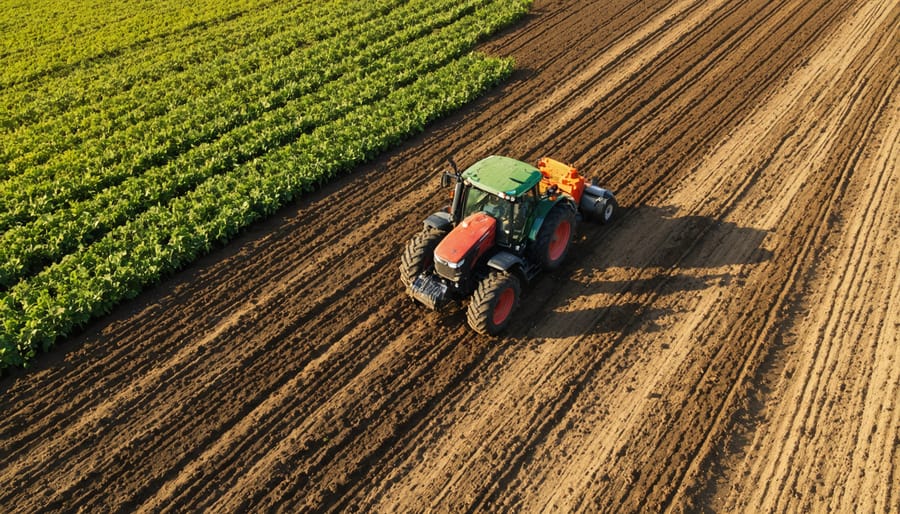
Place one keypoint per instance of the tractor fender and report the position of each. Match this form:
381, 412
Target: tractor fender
505, 261
543, 208
439, 220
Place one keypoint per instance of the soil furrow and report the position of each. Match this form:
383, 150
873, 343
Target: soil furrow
729, 343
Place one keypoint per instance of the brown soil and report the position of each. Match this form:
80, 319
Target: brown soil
729, 344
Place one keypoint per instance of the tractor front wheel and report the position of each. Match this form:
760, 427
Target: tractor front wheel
418, 255
492, 304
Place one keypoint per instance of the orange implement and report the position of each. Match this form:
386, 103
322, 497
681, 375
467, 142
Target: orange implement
565, 177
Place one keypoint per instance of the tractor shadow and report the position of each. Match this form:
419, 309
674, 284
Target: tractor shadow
656, 237
648, 253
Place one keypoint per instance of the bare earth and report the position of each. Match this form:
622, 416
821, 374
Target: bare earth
729, 344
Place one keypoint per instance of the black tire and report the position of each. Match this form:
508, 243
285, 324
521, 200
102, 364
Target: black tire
609, 211
551, 246
493, 302
418, 255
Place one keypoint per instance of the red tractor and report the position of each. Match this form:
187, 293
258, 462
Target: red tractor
508, 222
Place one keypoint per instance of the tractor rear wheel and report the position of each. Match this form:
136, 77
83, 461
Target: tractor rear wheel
493, 303
418, 255
555, 237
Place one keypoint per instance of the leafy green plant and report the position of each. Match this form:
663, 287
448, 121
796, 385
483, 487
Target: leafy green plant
119, 208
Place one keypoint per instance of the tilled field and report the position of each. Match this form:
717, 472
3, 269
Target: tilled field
729, 344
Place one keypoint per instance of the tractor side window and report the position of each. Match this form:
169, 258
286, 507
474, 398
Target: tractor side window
521, 211
499, 209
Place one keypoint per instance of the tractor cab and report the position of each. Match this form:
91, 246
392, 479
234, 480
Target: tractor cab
511, 215
503, 188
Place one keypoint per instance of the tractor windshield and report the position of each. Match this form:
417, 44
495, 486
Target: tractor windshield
511, 217
478, 200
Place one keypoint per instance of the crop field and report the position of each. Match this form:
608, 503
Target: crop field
203, 206
126, 159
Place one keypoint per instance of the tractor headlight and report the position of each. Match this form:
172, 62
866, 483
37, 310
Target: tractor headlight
450, 270
456, 265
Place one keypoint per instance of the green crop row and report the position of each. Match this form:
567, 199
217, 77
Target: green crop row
163, 239
98, 220
99, 80
80, 106
83, 32
26, 248
101, 163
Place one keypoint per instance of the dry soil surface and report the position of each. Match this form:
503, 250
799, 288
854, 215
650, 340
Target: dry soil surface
730, 343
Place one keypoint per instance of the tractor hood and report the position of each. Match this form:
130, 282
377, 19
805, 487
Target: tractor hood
464, 245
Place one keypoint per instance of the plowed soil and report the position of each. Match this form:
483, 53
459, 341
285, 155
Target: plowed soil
730, 343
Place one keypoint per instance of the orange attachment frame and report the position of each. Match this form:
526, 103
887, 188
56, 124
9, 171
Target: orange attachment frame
565, 177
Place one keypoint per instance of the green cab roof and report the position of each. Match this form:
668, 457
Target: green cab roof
502, 176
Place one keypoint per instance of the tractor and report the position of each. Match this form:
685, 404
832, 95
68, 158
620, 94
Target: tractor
508, 221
